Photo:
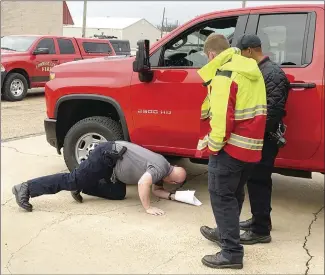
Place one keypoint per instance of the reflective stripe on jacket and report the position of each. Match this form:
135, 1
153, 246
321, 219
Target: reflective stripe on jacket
236, 105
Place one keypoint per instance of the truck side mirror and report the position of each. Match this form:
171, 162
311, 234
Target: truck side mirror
41, 51
141, 64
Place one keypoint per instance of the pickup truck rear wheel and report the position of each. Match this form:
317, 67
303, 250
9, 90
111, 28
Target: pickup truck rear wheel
85, 134
15, 87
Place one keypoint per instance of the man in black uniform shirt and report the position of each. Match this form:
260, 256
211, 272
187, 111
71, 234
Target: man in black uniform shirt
260, 183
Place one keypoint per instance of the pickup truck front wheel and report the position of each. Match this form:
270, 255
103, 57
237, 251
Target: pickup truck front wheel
82, 138
15, 87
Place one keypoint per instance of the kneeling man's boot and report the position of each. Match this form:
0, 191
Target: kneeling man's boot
21, 192
76, 195
220, 261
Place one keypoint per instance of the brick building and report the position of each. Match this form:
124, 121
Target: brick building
34, 17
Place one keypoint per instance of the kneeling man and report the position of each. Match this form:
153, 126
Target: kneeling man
104, 174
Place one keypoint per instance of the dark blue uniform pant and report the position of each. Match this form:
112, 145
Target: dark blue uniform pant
259, 188
92, 177
227, 178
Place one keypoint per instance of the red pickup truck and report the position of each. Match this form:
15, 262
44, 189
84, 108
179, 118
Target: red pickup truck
26, 61
157, 102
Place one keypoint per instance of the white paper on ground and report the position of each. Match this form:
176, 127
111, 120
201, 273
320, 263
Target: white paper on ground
187, 197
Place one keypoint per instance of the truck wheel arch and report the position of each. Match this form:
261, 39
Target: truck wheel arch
101, 98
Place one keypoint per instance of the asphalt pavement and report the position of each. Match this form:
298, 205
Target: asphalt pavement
117, 237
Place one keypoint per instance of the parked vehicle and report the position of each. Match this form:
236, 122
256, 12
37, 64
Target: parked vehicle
121, 47
157, 104
26, 61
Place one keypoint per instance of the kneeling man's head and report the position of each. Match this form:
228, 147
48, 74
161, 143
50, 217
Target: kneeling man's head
176, 176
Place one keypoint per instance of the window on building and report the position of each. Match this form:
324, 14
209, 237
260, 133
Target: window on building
282, 37
66, 46
93, 47
47, 43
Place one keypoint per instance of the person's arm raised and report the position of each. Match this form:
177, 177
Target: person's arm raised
144, 193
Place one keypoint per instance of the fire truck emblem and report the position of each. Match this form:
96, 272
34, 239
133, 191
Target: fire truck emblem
45, 66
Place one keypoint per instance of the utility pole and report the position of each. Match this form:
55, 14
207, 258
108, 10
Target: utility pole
162, 24
84, 19
244, 4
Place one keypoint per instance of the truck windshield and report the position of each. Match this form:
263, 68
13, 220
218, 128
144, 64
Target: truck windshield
17, 43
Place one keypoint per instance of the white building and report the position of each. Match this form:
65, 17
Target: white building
132, 29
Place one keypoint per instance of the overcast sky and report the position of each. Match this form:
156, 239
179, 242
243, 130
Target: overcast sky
153, 10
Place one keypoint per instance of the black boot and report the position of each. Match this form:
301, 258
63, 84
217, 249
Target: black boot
76, 195
211, 234
219, 261
251, 238
247, 225
21, 193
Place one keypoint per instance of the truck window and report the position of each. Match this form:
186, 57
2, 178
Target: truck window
66, 46
282, 37
186, 50
47, 43
17, 43
121, 46
94, 47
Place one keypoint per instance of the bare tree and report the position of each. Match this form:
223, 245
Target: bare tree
168, 27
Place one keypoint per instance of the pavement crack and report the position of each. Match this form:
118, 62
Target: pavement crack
29, 154
172, 257
3, 204
306, 239
198, 175
22, 137
166, 262
57, 221
99, 214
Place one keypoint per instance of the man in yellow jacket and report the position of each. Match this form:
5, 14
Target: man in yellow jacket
236, 106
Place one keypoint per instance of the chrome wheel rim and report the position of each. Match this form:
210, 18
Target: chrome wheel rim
17, 87
86, 144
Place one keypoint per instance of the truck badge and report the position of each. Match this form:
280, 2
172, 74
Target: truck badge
155, 112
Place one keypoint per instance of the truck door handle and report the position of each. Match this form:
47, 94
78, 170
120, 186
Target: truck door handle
55, 60
297, 85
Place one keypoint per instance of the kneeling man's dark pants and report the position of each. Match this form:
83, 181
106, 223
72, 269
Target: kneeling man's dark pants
227, 178
88, 177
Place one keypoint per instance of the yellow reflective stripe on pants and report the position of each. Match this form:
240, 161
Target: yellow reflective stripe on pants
250, 112
216, 146
246, 143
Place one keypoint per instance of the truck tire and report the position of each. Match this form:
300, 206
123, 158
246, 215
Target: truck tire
15, 87
82, 137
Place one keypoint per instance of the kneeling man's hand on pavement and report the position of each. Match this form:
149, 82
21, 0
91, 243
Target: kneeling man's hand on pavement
155, 211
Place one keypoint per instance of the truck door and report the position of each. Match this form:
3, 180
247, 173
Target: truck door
42, 63
291, 38
166, 112
68, 50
